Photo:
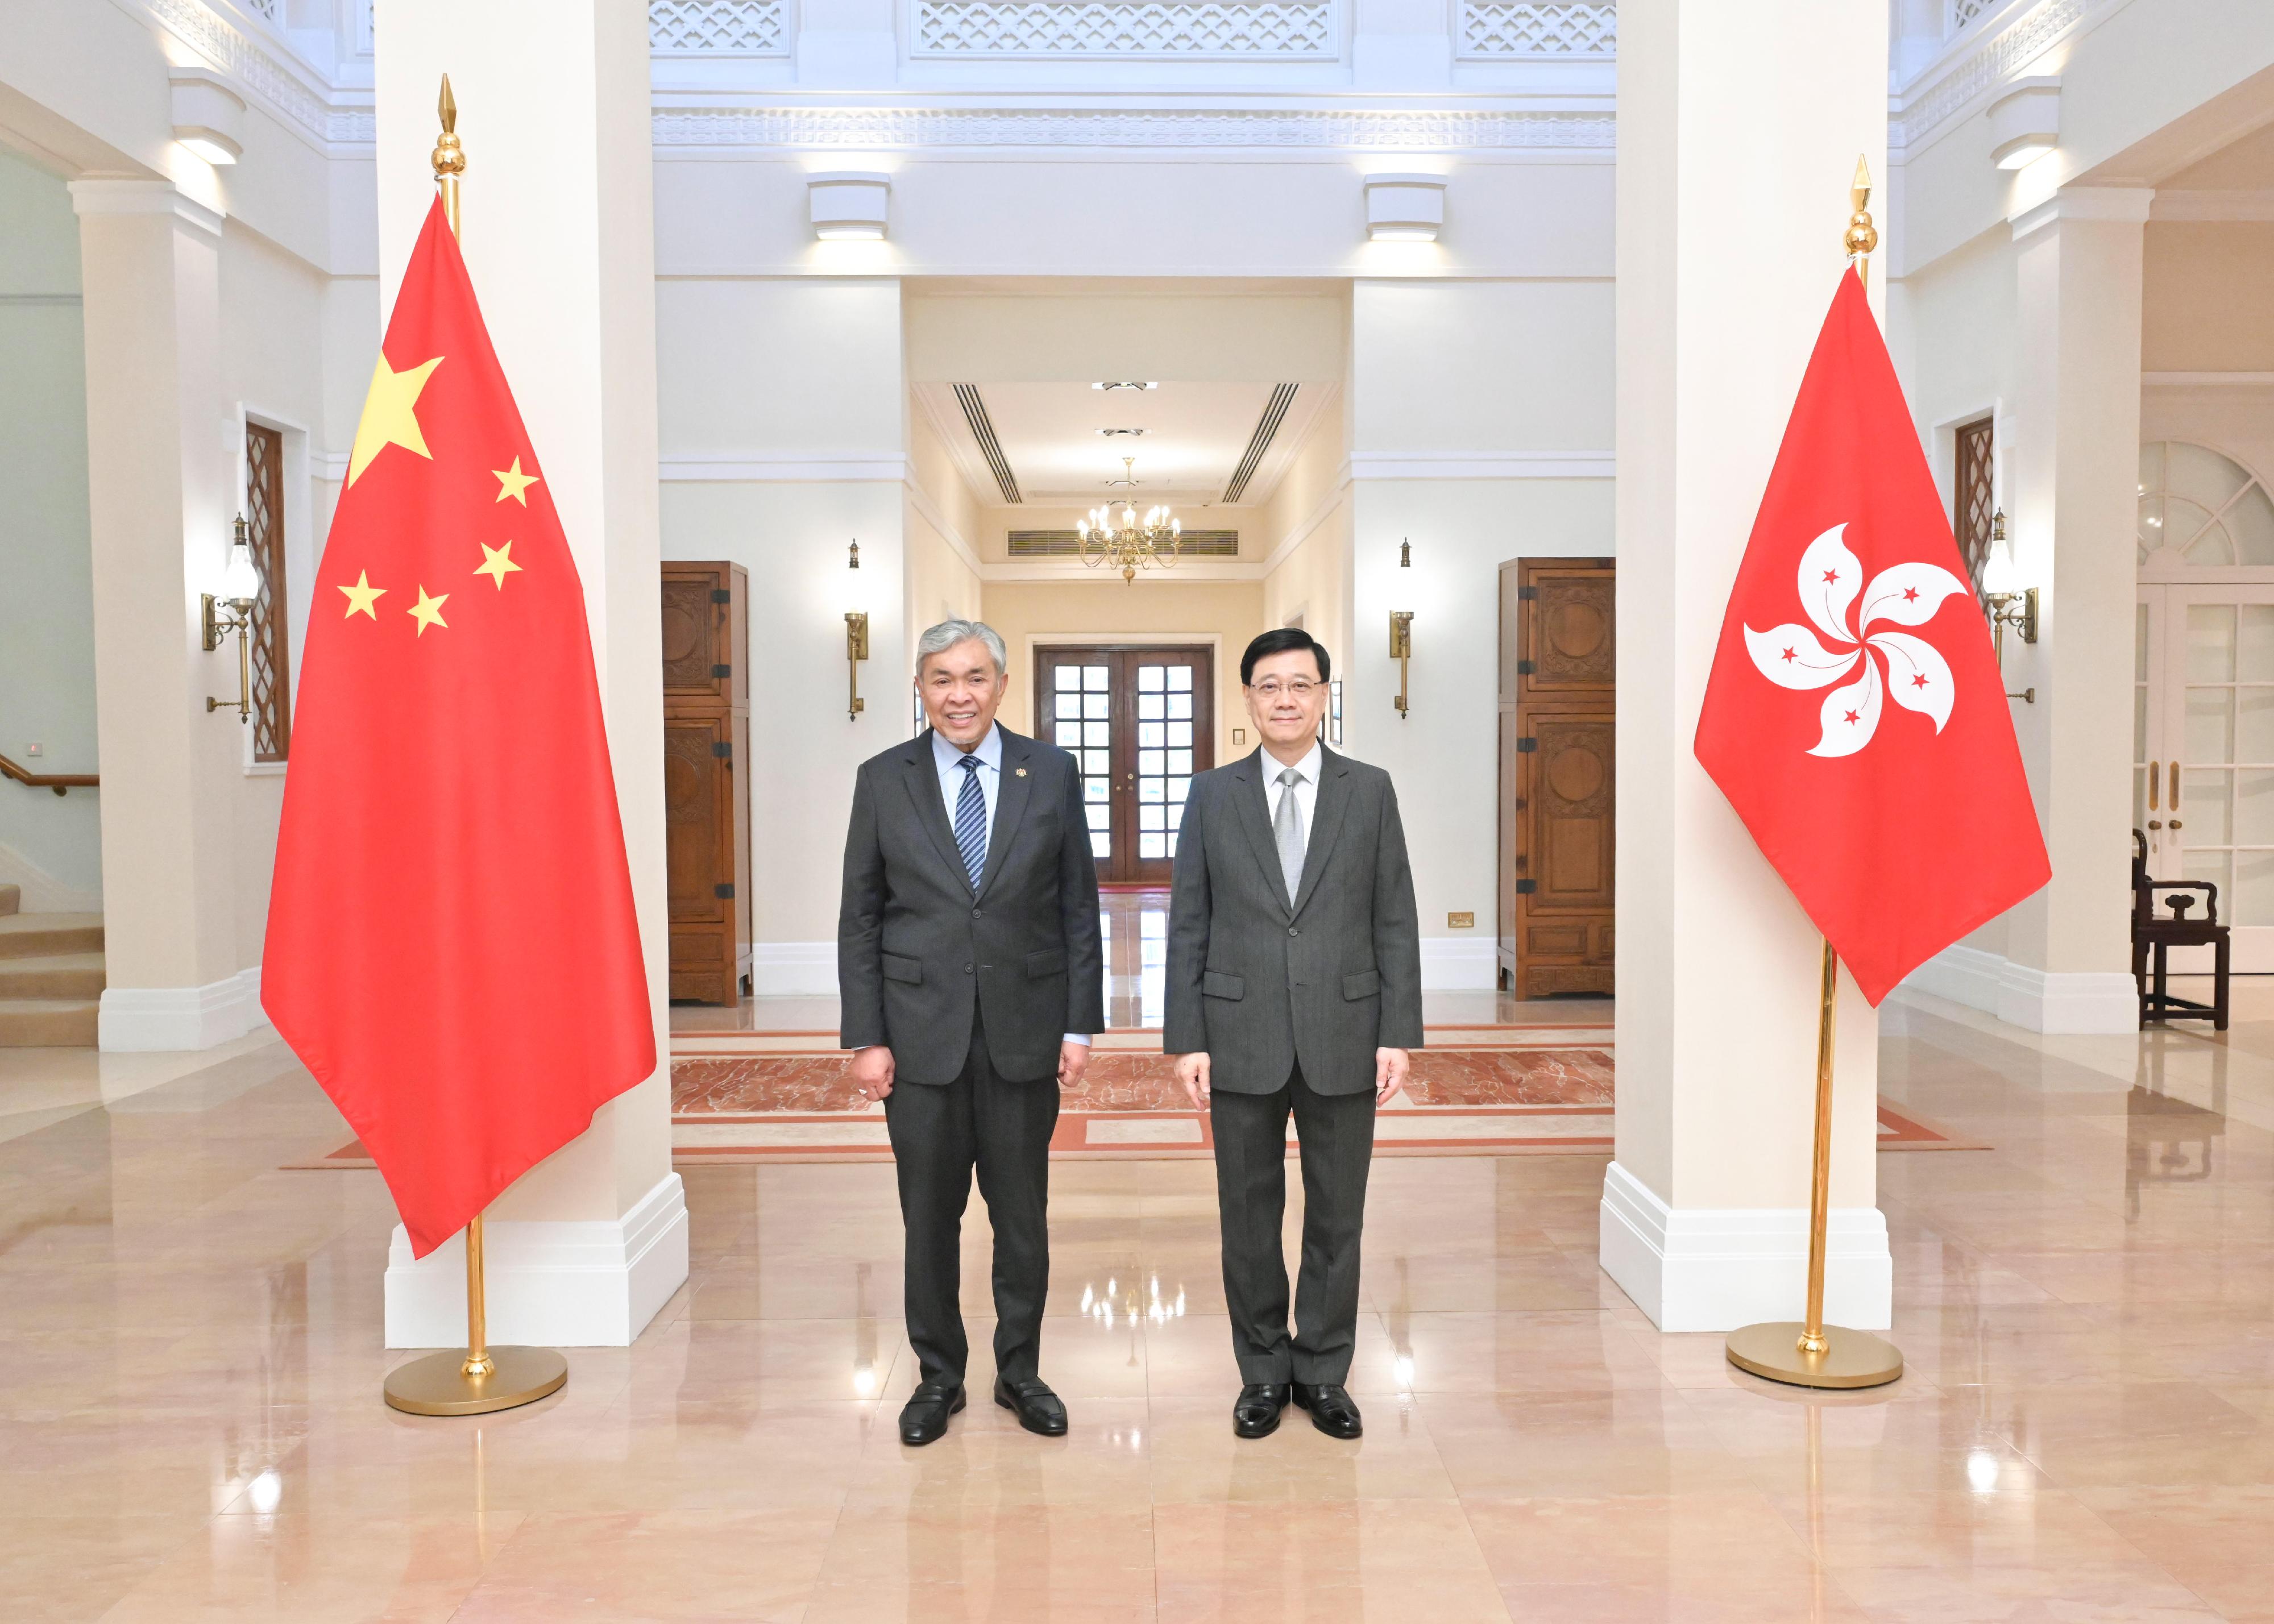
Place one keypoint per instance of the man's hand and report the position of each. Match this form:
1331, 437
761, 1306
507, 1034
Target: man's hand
872, 1070
1390, 1067
1073, 1060
1192, 1072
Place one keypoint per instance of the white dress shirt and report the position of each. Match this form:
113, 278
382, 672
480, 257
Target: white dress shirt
1306, 789
949, 760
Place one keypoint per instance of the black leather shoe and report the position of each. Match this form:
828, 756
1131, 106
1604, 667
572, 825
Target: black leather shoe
1037, 1408
1255, 1413
923, 1418
1331, 1410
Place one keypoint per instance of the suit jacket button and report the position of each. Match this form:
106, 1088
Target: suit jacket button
974, 912
967, 969
1293, 931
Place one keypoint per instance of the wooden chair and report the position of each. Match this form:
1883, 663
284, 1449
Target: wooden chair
2155, 934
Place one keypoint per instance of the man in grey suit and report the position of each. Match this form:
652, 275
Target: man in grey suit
970, 971
1294, 985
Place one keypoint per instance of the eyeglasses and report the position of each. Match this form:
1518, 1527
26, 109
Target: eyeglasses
1298, 690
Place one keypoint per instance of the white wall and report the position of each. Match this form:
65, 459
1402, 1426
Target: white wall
770, 392
1480, 419
51, 846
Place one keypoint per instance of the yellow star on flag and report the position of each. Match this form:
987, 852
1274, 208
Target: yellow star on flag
428, 610
363, 595
512, 482
496, 565
388, 419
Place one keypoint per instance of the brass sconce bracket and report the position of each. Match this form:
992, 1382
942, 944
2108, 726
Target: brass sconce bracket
1401, 650
2018, 609
856, 649
220, 617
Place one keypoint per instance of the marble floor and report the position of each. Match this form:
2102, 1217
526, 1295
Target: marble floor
190, 1370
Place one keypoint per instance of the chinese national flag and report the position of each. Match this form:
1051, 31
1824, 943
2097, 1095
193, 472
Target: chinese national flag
451, 944
1855, 717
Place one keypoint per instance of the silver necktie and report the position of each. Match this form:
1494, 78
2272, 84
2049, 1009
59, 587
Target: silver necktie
1287, 829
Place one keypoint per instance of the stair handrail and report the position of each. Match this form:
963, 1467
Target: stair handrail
57, 781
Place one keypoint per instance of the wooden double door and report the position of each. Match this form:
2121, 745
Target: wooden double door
706, 778
1557, 725
1140, 721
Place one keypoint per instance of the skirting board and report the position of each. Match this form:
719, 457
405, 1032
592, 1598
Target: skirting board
574, 1283
2056, 1001
140, 1020
1700, 1269
808, 969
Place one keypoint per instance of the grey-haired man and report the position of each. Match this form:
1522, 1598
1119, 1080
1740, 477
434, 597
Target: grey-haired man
971, 980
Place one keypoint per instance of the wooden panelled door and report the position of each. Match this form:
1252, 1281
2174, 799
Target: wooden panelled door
1140, 721
706, 778
1557, 722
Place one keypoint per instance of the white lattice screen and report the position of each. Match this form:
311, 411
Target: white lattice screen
1280, 28
1538, 28
715, 27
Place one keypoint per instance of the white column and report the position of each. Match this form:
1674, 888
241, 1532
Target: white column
1736, 145
560, 237
2072, 487
161, 489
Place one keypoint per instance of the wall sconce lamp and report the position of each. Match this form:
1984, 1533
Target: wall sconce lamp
2025, 122
1401, 650
2018, 609
208, 116
232, 612
856, 645
848, 205
1405, 208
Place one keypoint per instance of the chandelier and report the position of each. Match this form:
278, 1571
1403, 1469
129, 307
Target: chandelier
1125, 541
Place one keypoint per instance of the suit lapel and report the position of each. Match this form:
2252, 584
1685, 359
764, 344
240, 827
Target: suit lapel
1334, 797
1255, 814
1010, 801
922, 779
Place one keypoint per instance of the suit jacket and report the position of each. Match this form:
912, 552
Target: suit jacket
1261, 980
917, 950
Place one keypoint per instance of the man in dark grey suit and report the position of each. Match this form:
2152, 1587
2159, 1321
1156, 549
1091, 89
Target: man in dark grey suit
1294, 985
970, 971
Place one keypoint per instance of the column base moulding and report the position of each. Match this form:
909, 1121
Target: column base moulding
2049, 1001
143, 1020
1714, 1269
565, 1283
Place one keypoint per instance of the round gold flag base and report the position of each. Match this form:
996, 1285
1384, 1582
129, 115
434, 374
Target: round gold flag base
1851, 1359
438, 1385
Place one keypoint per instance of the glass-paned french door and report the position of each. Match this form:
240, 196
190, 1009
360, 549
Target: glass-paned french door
1141, 722
2203, 753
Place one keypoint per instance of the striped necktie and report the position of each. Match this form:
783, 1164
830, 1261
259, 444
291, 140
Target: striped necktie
971, 822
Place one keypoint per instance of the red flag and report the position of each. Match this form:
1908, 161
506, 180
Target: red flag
1856, 718
452, 948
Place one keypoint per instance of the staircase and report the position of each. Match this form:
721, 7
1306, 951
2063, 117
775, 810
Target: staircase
51, 976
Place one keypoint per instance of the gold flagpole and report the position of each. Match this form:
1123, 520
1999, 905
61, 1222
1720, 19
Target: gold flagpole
482, 1377
1812, 1354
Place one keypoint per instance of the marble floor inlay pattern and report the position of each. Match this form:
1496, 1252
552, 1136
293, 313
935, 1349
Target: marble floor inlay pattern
190, 1365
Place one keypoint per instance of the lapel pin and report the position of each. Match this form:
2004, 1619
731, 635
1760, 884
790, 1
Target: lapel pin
1022, 772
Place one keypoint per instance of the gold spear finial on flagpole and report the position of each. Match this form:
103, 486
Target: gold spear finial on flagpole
450, 158
1862, 236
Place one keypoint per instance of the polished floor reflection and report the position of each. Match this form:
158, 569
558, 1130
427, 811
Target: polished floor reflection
190, 1371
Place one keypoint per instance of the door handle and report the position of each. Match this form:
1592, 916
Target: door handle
2155, 822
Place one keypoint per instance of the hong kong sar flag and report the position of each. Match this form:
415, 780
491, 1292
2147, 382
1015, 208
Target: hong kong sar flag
452, 948
1855, 717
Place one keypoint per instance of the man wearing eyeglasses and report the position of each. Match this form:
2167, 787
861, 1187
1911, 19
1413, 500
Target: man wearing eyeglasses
1294, 987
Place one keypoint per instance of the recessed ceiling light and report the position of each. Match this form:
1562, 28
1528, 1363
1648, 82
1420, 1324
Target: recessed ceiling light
1125, 386
1110, 433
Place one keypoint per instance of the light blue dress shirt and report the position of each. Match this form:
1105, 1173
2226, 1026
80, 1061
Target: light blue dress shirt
949, 760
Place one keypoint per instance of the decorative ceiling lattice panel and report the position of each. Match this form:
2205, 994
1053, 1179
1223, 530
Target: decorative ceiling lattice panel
1183, 29
1964, 11
715, 27
1498, 28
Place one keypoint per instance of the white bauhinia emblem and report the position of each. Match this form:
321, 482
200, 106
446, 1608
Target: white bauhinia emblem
1917, 677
